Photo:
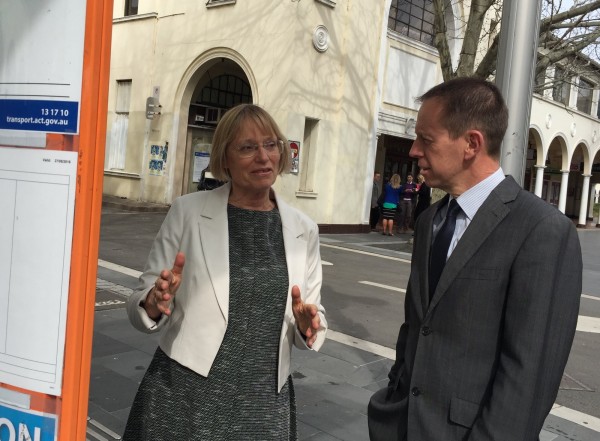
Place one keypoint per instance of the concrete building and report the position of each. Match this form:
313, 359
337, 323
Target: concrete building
340, 77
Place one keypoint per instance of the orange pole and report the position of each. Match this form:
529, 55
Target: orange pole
71, 407
86, 230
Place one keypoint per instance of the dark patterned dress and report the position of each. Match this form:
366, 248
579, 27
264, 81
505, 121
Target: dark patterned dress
238, 400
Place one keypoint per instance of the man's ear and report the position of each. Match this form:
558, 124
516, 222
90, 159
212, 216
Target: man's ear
475, 143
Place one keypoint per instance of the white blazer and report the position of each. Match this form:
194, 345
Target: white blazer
197, 225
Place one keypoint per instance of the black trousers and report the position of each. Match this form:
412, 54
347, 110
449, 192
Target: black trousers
374, 217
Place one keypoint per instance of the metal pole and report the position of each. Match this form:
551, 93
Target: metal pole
515, 73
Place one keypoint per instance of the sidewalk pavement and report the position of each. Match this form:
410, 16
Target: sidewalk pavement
332, 386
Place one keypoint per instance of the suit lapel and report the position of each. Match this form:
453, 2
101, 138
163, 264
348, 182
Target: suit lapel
214, 235
421, 254
489, 215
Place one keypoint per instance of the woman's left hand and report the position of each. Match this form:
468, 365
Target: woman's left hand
307, 317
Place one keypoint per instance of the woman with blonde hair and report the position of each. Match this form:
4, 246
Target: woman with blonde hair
424, 196
233, 280
390, 203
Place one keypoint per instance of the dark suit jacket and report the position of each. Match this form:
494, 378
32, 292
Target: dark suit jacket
483, 361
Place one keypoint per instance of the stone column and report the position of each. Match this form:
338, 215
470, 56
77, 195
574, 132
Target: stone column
585, 203
539, 180
562, 199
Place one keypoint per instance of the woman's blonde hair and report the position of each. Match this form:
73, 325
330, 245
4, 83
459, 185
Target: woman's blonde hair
395, 180
228, 129
420, 179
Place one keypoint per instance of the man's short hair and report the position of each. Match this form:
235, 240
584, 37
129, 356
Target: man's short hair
472, 103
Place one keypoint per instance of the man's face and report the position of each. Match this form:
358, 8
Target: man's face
409, 179
440, 158
377, 177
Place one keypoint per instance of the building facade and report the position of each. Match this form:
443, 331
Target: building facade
340, 77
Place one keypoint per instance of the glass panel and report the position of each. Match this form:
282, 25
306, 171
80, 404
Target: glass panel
131, 7
402, 28
414, 33
584, 96
566, 93
413, 18
427, 28
416, 11
428, 17
416, 23
404, 6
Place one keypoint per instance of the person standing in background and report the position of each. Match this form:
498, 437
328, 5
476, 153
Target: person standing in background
375, 209
409, 192
390, 204
423, 197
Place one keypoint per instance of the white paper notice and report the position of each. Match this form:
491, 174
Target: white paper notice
36, 231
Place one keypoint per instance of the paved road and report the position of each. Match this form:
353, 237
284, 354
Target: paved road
363, 292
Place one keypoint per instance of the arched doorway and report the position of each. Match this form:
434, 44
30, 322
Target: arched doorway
223, 86
556, 173
534, 165
216, 81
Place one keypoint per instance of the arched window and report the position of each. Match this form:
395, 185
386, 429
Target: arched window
413, 18
225, 91
218, 95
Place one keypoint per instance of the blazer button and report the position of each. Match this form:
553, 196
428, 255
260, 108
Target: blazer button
415, 391
425, 330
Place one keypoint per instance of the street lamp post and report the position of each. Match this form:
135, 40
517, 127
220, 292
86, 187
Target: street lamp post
515, 73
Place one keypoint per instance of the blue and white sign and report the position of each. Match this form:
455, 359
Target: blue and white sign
41, 69
38, 115
26, 425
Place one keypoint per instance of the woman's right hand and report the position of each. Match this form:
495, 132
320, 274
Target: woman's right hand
159, 298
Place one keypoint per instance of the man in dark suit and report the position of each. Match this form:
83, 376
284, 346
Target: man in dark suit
375, 194
488, 331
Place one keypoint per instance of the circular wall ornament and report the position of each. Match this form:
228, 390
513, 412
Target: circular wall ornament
548, 121
321, 38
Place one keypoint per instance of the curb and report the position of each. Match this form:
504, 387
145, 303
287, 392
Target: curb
129, 205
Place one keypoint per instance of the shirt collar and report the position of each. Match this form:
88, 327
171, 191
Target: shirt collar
472, 199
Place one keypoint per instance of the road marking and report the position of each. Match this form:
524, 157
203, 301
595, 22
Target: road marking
563, 412
587, 296
381, 285
109, 286
576, 417
364, 345
134, 273
110, 303
588, 324
119, 268
585, 324
367, 253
